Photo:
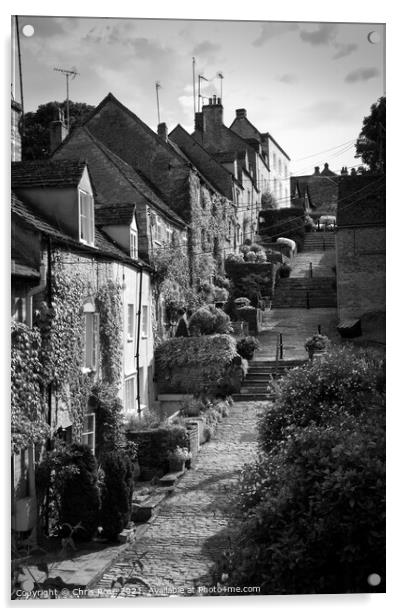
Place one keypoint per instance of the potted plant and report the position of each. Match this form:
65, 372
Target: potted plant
284, 270
246, 347
177, 459
316, 345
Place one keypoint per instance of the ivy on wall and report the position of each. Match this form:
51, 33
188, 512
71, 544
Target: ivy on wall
110, 304
28, 421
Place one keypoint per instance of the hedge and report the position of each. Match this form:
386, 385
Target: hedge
197, 365
154, 445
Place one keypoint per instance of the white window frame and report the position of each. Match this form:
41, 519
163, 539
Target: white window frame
144, 321
86, 219
86, 434
91, 338
132, 378
130, 322
133, 243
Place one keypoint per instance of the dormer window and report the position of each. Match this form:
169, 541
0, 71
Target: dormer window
86, 215
133, 243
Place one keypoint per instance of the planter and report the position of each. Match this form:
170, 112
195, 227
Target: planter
176, 466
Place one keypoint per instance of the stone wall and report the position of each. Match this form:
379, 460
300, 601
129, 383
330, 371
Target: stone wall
360, 271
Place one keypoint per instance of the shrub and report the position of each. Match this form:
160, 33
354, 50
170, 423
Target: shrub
344, 382
234, 258
260, 256
154, 444
250, 256
193, 407
242, 301
246, 347
69, 474
222, 282
284, 270
314, 512
208, 321
117, 492
200, 365
110, 431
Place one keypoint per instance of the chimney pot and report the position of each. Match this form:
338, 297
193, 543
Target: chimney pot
218, 101
163, 131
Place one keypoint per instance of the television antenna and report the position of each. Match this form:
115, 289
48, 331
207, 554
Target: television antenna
69, 74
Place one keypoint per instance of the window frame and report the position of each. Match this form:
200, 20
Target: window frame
91, 218
89, 432
133, 243
91, 353
128, 379
144, 321
130, 322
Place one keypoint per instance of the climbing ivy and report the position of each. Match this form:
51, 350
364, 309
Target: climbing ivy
62, 349
110, 303
28, 422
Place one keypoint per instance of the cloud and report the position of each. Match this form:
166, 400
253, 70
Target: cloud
323, 35
272, 30
287, 78
344, 49
362, 74
206, 49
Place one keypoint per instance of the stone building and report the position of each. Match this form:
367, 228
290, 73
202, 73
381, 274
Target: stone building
274, 156
164, 166
360, 246
63, 263
316, 193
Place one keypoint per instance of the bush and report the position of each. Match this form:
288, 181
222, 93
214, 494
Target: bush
79, 494
284, 270
246, 347
154, 444
250, 256
315, 512
343, 382
117, 492
110, 431
209, 320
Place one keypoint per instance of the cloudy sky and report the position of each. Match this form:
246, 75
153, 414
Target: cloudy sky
308, 84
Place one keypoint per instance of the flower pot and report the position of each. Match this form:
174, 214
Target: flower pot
176, 466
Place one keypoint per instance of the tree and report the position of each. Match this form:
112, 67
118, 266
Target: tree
370, 145
36, 136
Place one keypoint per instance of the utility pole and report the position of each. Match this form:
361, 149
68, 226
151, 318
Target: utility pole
157, 86
199, 89
68, 74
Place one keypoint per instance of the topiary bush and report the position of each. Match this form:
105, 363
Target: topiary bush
209, 320
117, 492
247, 346
198, 365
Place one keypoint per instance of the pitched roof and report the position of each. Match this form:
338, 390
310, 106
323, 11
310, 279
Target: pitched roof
116, 214
322, 190
220, 178
131, 175
361, 201
46, 173
261, 135
104, 246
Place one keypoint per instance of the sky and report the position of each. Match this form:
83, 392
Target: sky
308, 84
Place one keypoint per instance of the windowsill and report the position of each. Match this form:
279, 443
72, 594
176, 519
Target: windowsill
130, 339
144, 337
92, 244
85, 370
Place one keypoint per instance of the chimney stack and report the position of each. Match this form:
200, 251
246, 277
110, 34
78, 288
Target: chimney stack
241, 113
199, 122
212, 115
163, 131
58, 131
316, 171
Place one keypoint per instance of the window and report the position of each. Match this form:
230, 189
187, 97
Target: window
129, 394
91, 337
158, 231
86, 204
133, 244
88, 431
144, 330
130, 322
280, 166
274, 160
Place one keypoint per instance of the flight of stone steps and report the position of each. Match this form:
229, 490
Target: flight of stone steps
298, 292
259, 377
320, 241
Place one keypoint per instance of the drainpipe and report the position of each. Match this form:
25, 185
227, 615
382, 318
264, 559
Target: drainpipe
137, 355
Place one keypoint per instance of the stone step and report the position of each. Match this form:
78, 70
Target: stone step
252, 397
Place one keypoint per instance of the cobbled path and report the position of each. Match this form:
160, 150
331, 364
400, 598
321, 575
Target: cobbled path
190, 530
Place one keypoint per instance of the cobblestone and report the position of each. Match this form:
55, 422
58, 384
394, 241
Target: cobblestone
191, 526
